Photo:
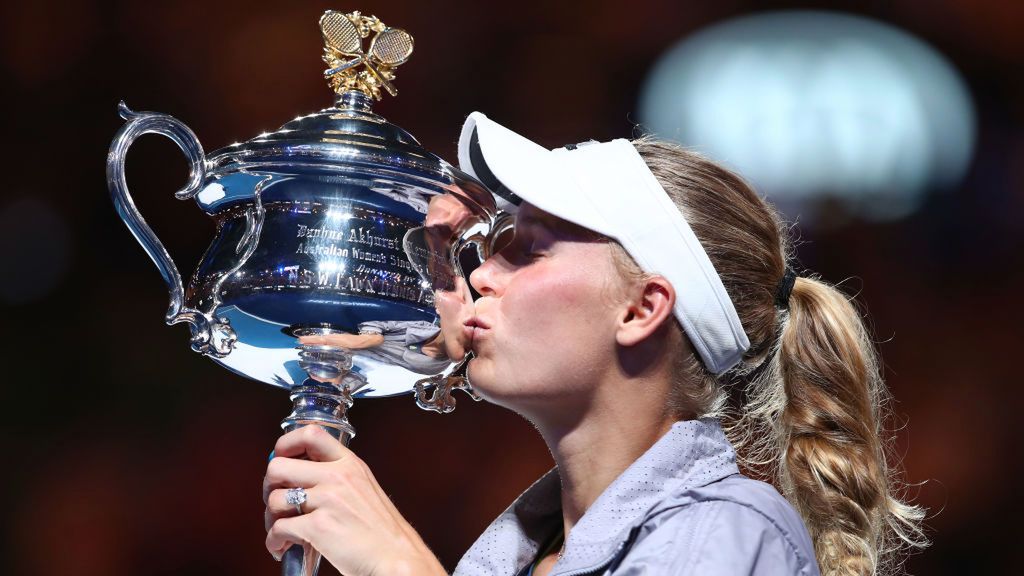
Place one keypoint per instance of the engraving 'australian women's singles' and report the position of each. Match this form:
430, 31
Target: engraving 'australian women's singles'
336, 229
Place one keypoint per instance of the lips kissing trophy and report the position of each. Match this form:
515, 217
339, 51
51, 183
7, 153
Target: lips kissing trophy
338, 229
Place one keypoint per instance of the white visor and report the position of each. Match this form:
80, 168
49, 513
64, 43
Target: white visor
608, 188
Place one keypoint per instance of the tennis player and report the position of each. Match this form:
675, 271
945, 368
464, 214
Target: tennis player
709, 409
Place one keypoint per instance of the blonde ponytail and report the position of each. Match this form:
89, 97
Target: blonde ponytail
807, 407
825, 400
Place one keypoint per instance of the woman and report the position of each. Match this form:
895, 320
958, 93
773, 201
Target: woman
644, 318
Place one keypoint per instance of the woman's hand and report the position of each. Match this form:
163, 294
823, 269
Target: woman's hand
347, 517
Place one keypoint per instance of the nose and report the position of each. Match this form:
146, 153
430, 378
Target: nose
484, 278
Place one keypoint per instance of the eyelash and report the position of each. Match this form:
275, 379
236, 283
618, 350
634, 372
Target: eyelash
526, 247
528, 251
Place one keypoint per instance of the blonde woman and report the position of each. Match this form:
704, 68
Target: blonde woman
645, 319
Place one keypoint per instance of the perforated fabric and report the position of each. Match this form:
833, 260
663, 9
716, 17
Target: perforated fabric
681, 508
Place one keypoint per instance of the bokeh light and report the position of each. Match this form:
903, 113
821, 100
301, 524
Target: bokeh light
809, 104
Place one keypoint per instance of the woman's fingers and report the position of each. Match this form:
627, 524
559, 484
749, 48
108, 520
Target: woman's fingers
313, 442
278, 506
286, 532
291, 473
346, 516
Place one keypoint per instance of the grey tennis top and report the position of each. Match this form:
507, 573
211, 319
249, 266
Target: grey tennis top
403, 345
681, 508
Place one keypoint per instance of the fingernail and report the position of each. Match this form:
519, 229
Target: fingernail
271, 456
276, 556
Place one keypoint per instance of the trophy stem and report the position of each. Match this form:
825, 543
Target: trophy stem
324, 404
322, 399
300, 561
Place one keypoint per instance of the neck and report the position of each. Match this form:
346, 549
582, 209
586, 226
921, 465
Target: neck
593, 451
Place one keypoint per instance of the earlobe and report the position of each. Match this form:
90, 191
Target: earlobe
647, 311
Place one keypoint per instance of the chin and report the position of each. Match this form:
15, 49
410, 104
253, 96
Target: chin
481, 378
526, 399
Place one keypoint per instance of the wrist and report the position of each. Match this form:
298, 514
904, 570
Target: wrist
424, 564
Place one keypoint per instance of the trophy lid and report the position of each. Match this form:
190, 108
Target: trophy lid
349, 136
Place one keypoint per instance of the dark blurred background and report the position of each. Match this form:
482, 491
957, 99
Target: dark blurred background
130, 454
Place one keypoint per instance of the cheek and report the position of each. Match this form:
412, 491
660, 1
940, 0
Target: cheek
556, 335
558, 311
544, 301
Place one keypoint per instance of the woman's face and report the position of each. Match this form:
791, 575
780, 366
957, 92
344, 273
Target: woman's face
544, 330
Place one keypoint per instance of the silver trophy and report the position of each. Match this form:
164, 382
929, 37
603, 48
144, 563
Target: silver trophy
334, 235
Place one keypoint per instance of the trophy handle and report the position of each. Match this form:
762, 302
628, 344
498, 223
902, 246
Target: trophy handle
441, 400
210, 335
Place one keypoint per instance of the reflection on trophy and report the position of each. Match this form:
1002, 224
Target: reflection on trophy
335, 235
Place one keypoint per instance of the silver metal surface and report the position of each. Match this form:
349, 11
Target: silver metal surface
320, 223
441, 387
211, 335
333, 235
300, 561
323, 403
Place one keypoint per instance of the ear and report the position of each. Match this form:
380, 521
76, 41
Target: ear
648, 308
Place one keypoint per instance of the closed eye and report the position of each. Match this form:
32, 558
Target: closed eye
529, 245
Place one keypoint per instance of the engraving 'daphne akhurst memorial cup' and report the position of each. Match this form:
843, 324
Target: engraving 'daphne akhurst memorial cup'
335, 236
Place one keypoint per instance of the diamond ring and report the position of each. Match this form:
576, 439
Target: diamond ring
296, 497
